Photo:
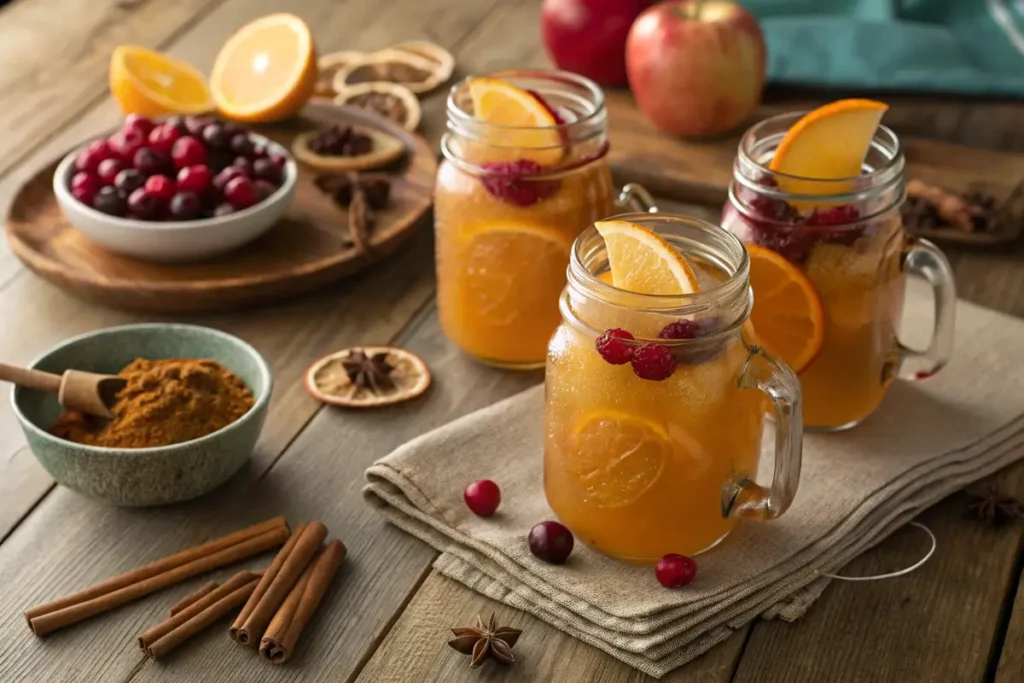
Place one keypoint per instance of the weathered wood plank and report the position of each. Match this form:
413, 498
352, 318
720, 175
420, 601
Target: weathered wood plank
1011, 659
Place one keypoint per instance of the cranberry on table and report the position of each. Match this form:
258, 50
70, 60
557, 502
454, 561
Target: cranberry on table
128, 180
108, 170
149, 162
163, 137
482, 497
613, 347
84, 187
109, 201
146, 205
551, 542
184, 206
675, 571
266, 169
161, 186
187, 151
194, 179
240, 193
264, 189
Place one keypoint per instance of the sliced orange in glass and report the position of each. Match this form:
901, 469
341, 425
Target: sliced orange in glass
829, 143
266, 71
787, 315
617, 457
521, 125
149, 83
641, 261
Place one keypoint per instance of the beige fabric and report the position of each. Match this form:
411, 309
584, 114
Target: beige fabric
927, 440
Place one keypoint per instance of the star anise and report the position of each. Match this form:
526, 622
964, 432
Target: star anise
485, 640
369, 372
992, 506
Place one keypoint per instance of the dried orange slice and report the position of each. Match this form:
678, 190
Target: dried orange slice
329, 65
390, 100
443, 60
152, 84
787, 315
368, 377
266, 71
522, 124
642, 262
829, 143
415, 72
618, 457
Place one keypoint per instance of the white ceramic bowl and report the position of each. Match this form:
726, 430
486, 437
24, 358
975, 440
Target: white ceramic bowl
175, 241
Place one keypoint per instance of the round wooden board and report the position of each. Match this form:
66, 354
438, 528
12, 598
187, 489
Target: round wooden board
308, 249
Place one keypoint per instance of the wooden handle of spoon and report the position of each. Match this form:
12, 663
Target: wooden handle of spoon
30, 379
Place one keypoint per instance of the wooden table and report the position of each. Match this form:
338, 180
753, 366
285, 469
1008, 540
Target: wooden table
959, 618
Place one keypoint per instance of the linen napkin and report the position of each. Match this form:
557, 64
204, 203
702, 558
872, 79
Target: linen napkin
927, 440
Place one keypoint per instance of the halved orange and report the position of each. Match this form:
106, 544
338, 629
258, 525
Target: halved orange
787, 315
829, 143
266, 71
641, 261
152, 84
523, 126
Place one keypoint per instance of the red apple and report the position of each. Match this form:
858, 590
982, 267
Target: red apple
588, 37
696, 68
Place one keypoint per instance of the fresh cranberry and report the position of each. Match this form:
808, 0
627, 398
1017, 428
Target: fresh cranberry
221, 180
149, 162
163, 137
259, 151
834, 215
653, 361
264, 189
551, 542
223, 210
146, 205
482, 497
240, 193
109, 201
510, 182
675, 571
160, 186
612, 347
215, 136
177, 122
244, 165
95, 153
139, 123
84, 187
108, 170
265, 169
278, 160
196, 124
194, 179
126, 142
187, 151
241, 144
128, 180
184, 206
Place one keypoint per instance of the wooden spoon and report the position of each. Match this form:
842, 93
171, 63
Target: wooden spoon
87, 392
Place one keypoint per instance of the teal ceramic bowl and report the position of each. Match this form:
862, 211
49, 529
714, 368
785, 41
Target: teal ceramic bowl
145, 476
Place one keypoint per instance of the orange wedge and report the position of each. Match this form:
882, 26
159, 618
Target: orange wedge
524, 126
152, 84
829, 143
266, 71
642, 262
787, 316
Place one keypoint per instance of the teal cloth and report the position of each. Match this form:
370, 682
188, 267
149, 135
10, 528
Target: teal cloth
973, 47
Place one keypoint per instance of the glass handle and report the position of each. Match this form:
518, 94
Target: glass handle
635, 198
744, 497
925, 259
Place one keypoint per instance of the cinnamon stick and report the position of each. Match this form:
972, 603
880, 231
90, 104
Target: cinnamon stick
300, 553
160, 630
198, 593
282, 635
200, 615
157, 575
268, 578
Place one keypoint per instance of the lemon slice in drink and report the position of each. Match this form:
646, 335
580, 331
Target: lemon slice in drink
617, 457
643, 262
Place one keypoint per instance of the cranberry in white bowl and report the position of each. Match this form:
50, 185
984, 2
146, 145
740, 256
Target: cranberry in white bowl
175, 190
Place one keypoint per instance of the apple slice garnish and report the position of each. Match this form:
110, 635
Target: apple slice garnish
525, 127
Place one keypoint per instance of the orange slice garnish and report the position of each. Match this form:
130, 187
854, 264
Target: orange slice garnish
829, 143
266, 71
641, 261
152, 84
787, 315
523, 126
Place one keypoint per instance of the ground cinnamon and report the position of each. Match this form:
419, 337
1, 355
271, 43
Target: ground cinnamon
165, 402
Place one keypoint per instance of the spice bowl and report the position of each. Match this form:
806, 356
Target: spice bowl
138, 477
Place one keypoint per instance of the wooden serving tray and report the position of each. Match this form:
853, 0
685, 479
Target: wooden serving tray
699, 172
311, 247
